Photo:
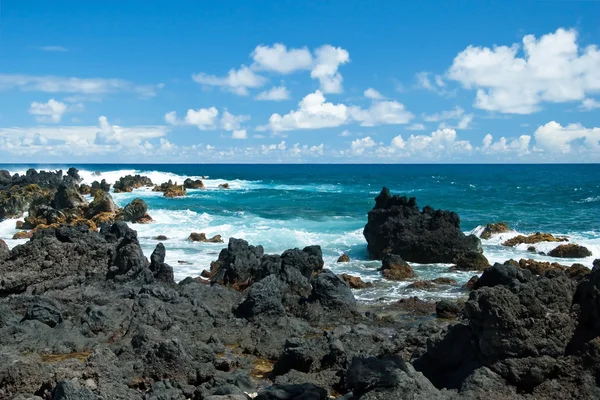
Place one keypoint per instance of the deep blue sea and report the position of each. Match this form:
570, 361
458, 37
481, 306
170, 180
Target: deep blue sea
286, 206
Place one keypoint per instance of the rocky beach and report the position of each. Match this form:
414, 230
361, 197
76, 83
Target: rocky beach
85, 314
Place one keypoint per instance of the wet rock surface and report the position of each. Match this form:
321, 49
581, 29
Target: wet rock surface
396, 225
494, 228
532, 239
570, 251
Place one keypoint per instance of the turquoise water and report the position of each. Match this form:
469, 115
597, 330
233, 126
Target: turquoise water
284, 206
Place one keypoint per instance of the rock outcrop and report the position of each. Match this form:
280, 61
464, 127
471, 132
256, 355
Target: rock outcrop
394, 268
494, 228
532, 239
129, 182
396, 225
201, 237
570, 251
170, 189
193, 184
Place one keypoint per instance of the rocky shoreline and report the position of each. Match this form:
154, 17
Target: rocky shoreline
85, 315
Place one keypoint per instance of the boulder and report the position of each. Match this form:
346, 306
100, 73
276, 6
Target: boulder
503, 274
193, 184
422, 285
67, 196
160, 237
415, 305
23, 235
447, 309
532, 239
444, 281
201, 237
135, 211
539, 267
355, 282
103, 186
175, 191
333, 293
129, 182
577, 271
264, 298
472, 262
343, 258
224, 186
102, 203
3, 247
16, 200
394, 268
494, 228
396, 225
570, 251
85, 189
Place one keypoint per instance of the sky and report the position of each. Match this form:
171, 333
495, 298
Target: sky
299, 82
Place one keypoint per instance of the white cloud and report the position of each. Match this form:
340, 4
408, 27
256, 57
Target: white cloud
327, 61
202, 118
58, 84
55, 49
441, 143
278, 58
51, 111
519, 146
359, 146
239, 134
424, 82
207, 119
314, 112
345, 133
553, 68
589, 104
277, 93
555, 138
455, 113
236, 81
416, 127
382, 112
373, 94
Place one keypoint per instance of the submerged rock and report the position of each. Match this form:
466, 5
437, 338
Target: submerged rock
570, 251
193, 184
472, 262
397, 226
447, 309
201, 237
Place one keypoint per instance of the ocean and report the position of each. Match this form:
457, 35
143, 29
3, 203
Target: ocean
287, 206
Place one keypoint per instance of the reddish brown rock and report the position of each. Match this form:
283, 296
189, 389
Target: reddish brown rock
343, 258
394, 268
355, 282
23, 235
471, 283
491, 229
421, 285
535, 238
224, 186
444, 281
570, 251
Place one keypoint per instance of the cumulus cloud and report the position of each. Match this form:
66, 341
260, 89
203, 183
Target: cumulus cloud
381, 113
327, 61
59, 84
359, 146
278, 58
424, 82
555, 138
51, 111
552, 68
277, 93
207, 119
373, 94
314, 112
237, 81
416, 127
458, 113
589, 104
519, 146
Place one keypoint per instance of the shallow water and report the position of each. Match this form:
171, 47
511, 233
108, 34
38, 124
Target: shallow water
286, 206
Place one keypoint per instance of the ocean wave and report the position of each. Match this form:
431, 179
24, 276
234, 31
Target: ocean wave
590, 199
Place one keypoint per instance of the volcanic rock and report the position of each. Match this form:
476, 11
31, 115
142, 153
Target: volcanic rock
532, 239
343, 258
355, 282
570, 251
397, 226
396, 269
494, 228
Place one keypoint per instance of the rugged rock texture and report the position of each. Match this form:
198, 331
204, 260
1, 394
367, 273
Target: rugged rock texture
343, 258
395, 268
103, 186
570, 251
397, 226
472, 262
16, 200
201, 237
532, 239
130, 182
170, 189
136, 212
355, 282
193, 184
224, 186
494, 228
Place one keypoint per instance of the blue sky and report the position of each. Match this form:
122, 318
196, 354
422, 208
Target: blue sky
288, 81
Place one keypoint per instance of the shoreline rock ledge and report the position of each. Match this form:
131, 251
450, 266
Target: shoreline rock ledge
397, 226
